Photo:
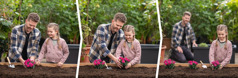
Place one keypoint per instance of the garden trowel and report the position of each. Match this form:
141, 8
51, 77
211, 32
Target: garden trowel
203, 65
109, 68
10, 65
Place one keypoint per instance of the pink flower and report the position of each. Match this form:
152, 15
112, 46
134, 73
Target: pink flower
123, 61
215, 65
217, 62
169, 59
190, 63
99, 60
173, 62
166, 63
195, 62
103, 63
169, 62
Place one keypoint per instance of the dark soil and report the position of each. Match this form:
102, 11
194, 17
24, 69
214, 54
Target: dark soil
186, 72
38, 72
134, 72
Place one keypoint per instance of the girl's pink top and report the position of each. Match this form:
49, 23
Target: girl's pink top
52, 53
133, 54
221, 54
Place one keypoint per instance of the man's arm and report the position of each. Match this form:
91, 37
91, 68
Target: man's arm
34, 50
14, 54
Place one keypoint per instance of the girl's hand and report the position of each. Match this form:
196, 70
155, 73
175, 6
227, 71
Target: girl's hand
38, 63
128, 65
220, 67
60, 64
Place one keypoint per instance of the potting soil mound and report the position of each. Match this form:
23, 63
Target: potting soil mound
38, 72
115, 72
186, 72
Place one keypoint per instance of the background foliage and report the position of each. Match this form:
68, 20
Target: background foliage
62, 12
140, 13
206, 15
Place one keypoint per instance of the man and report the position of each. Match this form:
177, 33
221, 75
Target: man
106, 39
25, 40
182, 37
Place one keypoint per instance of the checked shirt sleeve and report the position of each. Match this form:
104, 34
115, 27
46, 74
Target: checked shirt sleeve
174, 40
14, 54
34, 50
101, 41
192, 34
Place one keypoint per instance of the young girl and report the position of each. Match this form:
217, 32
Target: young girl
54, 49
129, 48
221, 48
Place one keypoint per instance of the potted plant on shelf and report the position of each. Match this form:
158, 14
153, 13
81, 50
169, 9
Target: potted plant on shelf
162, 53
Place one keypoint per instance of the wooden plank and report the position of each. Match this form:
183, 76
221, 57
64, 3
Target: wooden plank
111, 64
43, 64
200, 65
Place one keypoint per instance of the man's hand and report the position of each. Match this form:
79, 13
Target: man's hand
117, 61
180, 50
128, 65
22, 61
195, 44
32, 58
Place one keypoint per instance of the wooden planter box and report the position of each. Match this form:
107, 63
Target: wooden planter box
87, 70
46, 70
202, 53
149, 53
73, 54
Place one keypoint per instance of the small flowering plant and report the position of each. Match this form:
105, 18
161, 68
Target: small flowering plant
99, 64
124, 61
30, 63
169, 64
215, 65
192, 64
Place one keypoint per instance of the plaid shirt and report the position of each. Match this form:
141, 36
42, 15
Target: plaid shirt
101, 41
177, 35
18, 37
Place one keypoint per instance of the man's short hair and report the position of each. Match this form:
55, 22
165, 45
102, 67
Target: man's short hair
121, 17
33, 17
187, 13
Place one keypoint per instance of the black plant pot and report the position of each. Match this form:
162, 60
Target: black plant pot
73, 53
202, 53
149, 53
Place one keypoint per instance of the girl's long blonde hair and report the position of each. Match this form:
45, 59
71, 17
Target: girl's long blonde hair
129, 28
56, 28
222, 27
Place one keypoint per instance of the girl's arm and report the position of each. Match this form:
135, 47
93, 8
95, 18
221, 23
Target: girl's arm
65, 50
212, 51
228, 56
43, 50
119, 49
138, 53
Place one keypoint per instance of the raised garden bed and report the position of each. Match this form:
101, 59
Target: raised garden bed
202, 53
182, 70
45, 71
87, 70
